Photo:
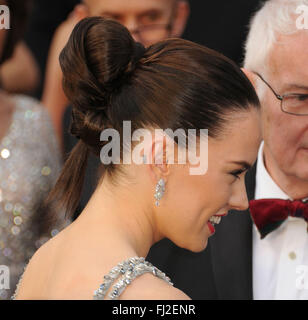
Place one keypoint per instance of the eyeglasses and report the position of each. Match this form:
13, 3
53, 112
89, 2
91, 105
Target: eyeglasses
149, 34
293, 103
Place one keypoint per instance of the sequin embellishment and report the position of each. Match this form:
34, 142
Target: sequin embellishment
127, 270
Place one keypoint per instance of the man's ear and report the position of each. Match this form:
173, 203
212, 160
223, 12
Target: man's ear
251, 76
181, 15
81, 11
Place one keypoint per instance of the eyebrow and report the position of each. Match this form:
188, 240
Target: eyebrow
140, 14
111, 14
294, 86
244, 164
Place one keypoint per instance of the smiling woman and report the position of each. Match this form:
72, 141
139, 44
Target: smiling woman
176, 84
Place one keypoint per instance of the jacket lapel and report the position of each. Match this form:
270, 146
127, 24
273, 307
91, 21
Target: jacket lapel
231, 250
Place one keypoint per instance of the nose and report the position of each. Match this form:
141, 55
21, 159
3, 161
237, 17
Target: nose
135, 36
132, 25
239, 200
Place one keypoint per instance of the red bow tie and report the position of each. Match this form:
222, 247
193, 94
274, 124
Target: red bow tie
269, 214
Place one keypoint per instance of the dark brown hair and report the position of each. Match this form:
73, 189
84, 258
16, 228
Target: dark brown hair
109, 78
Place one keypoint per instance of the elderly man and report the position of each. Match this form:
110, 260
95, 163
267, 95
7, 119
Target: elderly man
265, 257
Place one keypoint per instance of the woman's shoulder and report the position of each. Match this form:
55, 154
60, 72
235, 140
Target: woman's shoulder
83, 279
57, 272
149, 287
37, 271
137, 279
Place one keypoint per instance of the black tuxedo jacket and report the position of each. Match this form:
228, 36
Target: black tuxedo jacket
224, 269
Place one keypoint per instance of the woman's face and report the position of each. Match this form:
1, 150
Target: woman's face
191, 200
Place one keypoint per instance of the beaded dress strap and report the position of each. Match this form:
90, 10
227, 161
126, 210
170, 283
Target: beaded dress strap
13, 297
127, 270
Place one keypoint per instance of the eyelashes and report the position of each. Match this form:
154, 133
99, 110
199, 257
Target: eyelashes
237, 173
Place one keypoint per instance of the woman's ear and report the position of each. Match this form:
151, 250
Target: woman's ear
251, 76
181, 15
157, 155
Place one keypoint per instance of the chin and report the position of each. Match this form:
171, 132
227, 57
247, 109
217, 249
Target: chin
300, 172
303, 176
198, 246
300, 167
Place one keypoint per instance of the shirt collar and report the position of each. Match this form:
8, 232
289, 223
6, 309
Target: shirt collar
266, 187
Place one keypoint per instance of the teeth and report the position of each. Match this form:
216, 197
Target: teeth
215, 220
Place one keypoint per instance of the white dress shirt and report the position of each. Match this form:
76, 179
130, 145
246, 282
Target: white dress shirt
280, 260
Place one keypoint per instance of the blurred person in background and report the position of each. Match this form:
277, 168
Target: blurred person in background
149, 21
29, 164
19, 72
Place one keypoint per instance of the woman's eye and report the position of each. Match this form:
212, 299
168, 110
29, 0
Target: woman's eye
237, 173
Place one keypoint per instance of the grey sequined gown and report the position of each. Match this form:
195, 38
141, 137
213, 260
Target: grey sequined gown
122, 275
30, 163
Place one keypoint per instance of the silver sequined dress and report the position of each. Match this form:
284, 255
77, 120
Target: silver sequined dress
30, 163
120, 276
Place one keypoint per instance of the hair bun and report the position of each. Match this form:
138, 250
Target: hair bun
139, 52
97, 59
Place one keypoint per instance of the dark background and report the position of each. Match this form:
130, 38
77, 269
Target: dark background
221, 25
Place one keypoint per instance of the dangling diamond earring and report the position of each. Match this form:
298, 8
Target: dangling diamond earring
159, 191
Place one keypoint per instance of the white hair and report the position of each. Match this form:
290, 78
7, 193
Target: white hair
275, 17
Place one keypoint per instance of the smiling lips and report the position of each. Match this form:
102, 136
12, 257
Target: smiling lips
220, 215
215, 219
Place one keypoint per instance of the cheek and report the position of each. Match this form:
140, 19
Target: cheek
282, 135
189, 201
189, 204
278, 139
188, 196
194, 198
212, 192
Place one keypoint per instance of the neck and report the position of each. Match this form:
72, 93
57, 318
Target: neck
293, 186
119, 217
